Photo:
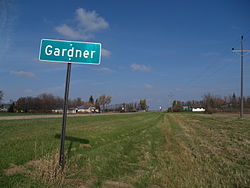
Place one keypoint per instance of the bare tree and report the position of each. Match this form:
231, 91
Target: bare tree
143, 104
76, 102
21, 105
104, 100
108, 99
1, 95
97, 105
42, 103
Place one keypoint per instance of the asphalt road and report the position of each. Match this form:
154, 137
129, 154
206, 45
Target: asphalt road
53, 116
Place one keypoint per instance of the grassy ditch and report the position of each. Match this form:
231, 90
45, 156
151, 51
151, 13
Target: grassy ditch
132, 150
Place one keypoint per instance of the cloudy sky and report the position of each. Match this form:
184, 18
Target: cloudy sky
159, 50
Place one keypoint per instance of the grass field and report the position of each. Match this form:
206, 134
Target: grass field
136, 150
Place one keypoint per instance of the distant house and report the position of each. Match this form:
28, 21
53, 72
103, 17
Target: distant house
60, 111
187, 108
72, 111
4, 107
86, 109
79, 109
200, 109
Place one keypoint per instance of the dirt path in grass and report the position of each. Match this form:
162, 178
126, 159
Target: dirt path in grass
56, 116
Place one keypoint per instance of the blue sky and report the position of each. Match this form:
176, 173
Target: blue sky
159, 50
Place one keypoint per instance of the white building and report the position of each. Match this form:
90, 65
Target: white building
79, 109
69, 111
86, 109
198, 109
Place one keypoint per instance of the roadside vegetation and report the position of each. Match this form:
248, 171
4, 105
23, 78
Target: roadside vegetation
212, 104
129, 150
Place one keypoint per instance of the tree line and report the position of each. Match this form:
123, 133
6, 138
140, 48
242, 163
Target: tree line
214, 103
45, 103
129, 107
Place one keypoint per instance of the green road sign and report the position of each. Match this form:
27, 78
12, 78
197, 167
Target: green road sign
70, 52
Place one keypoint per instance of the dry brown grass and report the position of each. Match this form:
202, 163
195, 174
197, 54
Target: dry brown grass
49, 171
220, 114
117, 184
14, 169
46, 170
212, 152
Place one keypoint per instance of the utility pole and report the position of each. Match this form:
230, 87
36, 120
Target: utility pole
170, 97
242, 53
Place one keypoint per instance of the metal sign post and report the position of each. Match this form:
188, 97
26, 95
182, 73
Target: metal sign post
76, 52
64, 122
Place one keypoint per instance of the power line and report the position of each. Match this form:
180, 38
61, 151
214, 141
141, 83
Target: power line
202, 74
220, 65
242, 53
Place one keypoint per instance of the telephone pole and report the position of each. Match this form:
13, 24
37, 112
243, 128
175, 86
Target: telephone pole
242, 53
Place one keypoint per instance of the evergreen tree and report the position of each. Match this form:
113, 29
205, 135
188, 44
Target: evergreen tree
1, 95
91, 100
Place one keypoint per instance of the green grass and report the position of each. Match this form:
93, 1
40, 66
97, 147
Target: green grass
128, 150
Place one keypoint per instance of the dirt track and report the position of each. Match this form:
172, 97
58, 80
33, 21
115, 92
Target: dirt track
53, 116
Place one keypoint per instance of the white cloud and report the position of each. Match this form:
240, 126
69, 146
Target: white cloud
22, 73
106, 53
178, 89
148, 86
208, 54
86, 23
52, 90
90, 20
142, 68
29, 91
230, 59
234, 27
69, 32
103, 69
